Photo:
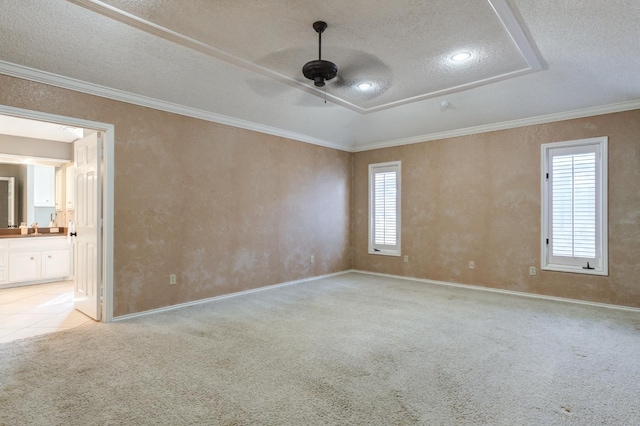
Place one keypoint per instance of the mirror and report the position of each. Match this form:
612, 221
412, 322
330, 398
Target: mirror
38, 156
7, 202
11, 211
27, 194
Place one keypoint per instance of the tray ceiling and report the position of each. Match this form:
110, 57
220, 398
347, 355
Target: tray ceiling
276, 38
239, 62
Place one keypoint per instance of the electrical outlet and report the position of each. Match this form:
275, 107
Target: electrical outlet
172, 279
313, 259
406, 259
472, 264
533, 270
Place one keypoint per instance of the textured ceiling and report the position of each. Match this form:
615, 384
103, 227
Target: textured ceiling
362, 40
240, 61
15, 126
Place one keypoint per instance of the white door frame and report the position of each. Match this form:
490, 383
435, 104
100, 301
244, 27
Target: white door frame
107, 191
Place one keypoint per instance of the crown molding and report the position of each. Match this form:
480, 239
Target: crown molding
504, 125
32, 74
520, 38
56, 80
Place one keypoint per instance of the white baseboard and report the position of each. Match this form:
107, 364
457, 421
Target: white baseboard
226, 296
421, 280
497, 290
47, 281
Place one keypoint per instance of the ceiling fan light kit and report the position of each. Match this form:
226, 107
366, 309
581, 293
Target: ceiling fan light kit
320, 70
461, 56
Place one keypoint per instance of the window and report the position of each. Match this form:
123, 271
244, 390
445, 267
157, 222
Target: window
574, 206
384, 208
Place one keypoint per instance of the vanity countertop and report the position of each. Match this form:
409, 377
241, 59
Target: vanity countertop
42, 232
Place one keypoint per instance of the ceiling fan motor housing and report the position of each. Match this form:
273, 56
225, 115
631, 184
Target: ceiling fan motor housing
319, 70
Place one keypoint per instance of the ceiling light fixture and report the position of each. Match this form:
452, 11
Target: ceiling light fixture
75, 130
364, 86
319, 71
461, 56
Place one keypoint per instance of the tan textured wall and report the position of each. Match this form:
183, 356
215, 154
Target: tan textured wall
225, 209
228, 209
478, 198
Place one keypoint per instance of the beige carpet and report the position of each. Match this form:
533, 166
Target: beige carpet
353, 349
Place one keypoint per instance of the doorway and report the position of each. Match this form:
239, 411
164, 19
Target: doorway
33, 310
104, 259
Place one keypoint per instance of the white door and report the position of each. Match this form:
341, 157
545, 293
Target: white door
87, 225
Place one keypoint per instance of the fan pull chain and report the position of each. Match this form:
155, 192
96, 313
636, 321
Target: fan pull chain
325, 93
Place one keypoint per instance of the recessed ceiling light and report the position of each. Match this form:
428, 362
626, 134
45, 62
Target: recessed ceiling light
76, 131
364, 86
461, 56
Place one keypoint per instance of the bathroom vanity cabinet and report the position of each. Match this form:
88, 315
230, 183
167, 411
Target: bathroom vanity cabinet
33, 259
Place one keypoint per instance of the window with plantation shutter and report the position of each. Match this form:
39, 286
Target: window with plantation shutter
384, 208
574, 191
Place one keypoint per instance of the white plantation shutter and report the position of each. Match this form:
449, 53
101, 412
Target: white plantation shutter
385, 208
573, 189
384, 194
574, 195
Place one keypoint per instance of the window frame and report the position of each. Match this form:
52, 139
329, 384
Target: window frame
554, 263
377, 248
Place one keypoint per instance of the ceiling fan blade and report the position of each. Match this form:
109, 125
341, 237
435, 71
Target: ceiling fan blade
354, 67
358, 68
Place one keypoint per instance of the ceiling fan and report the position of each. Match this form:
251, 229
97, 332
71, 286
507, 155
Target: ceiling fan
320, 70
362, 75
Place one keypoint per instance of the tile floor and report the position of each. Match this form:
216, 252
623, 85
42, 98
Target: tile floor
38, 309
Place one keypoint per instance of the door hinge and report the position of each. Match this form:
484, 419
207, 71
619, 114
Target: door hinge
101, 222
